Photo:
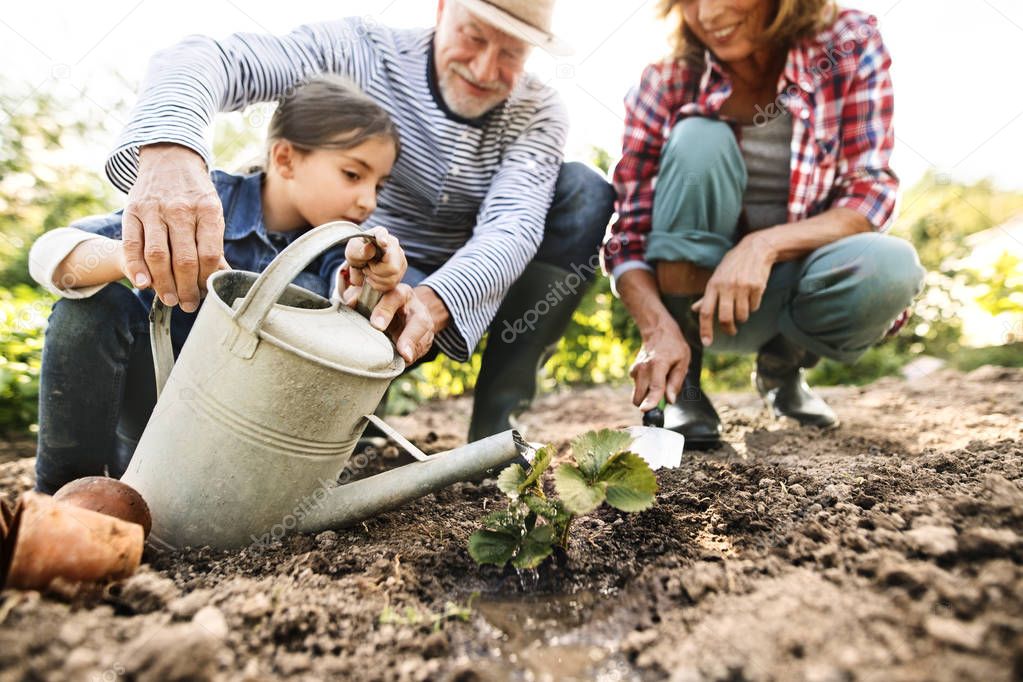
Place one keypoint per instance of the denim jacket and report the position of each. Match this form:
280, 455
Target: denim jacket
247, 244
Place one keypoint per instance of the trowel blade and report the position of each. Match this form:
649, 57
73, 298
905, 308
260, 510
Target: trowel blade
660, 448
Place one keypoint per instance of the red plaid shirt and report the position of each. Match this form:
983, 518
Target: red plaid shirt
839, 93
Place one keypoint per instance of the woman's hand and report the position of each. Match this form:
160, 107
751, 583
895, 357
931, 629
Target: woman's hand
663, 361
383, 272
660, 367
736, 288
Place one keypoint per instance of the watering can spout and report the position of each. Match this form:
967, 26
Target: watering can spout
354, 502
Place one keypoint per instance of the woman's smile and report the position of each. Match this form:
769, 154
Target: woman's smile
723, 35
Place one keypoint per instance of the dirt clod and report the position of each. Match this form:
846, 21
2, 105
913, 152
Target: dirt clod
932, 540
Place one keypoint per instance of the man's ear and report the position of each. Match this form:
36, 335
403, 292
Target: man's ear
282, 158
440, 9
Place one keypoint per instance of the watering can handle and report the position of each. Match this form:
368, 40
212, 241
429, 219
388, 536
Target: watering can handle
267, 289
265, 292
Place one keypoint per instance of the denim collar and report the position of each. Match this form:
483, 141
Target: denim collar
243, 213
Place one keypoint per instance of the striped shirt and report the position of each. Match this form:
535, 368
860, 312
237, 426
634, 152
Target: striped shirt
467, 198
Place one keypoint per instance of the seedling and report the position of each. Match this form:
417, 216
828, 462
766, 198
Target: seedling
412, 617
527, 532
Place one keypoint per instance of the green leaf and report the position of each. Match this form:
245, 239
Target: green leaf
630, 484
530, 522
577, 493
541, 461
510, 480
507, 520
492, 546
536, 546
552, 511
593, 448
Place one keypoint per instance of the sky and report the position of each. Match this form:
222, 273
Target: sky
956, 65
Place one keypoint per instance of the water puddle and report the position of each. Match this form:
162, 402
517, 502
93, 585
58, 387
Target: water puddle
555, 637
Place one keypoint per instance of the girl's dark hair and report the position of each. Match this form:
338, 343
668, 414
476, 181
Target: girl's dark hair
329, 112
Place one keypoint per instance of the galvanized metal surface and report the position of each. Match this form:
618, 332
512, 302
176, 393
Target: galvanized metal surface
264, 406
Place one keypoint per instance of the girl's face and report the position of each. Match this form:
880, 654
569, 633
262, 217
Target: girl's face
729, 28
335, 184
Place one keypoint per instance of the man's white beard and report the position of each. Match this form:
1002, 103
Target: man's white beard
463, 104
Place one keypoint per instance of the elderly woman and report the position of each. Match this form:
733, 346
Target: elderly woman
752, 196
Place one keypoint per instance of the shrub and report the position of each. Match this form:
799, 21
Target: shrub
23, 314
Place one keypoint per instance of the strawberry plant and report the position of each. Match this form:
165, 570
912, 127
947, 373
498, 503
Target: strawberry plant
527, 532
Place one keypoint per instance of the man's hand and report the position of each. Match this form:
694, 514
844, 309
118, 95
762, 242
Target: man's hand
406, 320
736, 288
660, 367
173, 225
439, 315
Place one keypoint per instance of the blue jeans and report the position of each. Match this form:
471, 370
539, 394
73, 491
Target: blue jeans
836, 302
575, 226
97, 387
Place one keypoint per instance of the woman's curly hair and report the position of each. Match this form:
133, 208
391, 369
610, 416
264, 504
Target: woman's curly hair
792, 20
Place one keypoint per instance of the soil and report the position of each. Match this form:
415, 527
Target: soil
890, 548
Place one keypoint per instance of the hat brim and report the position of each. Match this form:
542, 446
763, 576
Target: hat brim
514, 26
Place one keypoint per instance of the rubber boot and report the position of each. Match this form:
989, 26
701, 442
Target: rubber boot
523, 336
780, 381
692, 413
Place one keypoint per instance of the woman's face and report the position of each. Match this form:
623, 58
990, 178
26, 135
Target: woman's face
339, 184
729, 28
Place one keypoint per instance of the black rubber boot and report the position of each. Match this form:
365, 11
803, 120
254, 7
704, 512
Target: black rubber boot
780, 382
692, 413
526, 330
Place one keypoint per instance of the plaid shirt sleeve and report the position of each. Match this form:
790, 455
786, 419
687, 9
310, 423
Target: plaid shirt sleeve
866, 182
648, 113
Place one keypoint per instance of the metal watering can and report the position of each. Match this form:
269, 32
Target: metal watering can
267, 400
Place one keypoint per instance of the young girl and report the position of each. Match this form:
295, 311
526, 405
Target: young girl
330, 149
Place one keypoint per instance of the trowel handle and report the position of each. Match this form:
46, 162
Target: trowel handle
369, 297
368, 300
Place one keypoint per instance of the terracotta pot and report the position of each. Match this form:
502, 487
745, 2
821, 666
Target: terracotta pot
107, 496
49, 539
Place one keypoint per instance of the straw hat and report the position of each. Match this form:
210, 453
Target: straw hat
529, 20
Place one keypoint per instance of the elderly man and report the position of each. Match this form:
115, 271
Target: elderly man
499, 232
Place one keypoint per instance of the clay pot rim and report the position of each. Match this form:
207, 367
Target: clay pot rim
51, 520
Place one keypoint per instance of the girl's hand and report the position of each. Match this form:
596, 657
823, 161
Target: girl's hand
736, 288
383, 274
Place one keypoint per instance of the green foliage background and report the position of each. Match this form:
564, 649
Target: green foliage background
40, 189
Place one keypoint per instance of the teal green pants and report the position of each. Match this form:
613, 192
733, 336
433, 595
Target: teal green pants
836, 302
